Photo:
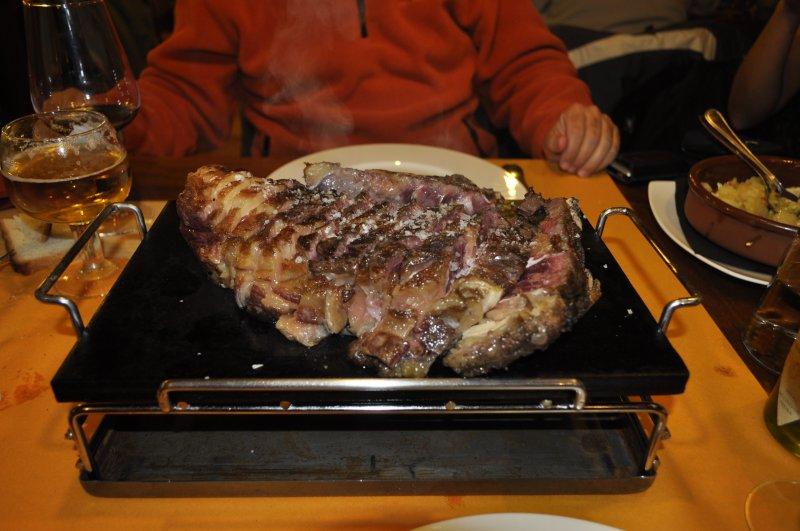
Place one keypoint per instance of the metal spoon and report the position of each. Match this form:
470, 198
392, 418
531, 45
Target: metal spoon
515, 181
716, 124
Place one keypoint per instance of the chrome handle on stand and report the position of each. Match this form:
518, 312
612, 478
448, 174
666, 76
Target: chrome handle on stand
669, 309
43, 291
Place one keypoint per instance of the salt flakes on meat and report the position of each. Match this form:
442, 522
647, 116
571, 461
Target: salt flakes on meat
533, 261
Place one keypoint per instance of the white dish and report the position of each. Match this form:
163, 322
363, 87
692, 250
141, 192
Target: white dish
515, 522
411, 158
661, 195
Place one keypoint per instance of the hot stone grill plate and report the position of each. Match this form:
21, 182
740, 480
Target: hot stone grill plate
165, 319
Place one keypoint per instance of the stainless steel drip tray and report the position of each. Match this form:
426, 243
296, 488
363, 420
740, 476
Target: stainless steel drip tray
318, 455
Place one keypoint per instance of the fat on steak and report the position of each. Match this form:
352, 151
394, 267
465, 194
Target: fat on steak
417, 267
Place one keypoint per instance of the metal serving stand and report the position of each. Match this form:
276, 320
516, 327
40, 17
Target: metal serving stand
359, 436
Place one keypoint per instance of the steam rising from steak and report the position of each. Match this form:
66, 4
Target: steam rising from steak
416, 267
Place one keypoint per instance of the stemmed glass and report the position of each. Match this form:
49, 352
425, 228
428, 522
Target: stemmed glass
75, 60
65, 167
774, 506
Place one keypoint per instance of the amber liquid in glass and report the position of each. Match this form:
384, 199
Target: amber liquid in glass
775, 323
51, 185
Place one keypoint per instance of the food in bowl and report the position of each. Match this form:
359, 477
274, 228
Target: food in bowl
750, 196
749, 235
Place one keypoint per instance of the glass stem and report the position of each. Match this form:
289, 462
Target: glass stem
93, 258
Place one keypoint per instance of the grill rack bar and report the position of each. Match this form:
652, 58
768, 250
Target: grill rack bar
368, 385
447, 405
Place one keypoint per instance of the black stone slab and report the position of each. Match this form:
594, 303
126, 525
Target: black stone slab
164, 319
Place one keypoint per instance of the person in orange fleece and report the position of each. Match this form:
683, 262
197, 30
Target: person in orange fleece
315, 74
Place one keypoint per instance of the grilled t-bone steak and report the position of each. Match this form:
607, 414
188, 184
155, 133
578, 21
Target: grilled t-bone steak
417, 267
552, 294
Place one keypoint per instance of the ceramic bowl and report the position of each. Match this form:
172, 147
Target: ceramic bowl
745, 234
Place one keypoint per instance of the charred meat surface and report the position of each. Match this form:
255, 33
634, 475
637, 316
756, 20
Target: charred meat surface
417, 267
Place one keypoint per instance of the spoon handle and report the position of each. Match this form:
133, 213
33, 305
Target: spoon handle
716, 124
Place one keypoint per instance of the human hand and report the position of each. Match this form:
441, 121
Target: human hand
582, 141
69, 98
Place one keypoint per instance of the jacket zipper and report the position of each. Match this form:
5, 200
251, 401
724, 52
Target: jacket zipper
473, 134
362, 17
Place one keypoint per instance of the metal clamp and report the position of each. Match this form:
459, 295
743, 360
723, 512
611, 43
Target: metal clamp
43, 291
666, 313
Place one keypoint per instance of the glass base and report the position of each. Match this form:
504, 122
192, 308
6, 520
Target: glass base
774, 506
768, 343
94, 282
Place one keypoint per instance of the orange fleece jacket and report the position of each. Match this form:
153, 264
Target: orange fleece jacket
315, 74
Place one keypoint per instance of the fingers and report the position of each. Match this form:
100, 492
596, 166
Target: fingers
595, 128
560, 146
62, 99
603, 149
612, 153
575, 129
556, 141
592, 140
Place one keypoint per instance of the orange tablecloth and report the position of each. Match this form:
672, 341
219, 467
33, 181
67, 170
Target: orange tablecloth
719, 448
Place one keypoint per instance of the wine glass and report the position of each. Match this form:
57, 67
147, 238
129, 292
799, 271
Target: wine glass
75, 60
65, 167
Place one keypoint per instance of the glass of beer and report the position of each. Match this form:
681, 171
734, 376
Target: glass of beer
65, 167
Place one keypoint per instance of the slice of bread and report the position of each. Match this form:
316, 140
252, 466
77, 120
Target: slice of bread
33, 244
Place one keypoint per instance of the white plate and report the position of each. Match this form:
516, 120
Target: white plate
515, 522
661, 195
411, 158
